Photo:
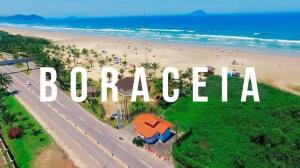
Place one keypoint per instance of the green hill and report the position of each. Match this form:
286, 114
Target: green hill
235, 134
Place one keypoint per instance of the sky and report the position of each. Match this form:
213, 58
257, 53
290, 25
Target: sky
94, 8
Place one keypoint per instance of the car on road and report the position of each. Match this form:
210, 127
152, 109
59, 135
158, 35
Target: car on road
28, 83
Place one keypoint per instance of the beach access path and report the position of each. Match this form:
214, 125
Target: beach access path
87, 141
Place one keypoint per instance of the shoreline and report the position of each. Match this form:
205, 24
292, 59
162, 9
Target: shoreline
264, 51
278, 70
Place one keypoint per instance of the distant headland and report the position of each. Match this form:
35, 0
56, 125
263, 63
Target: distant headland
198, 13
22, 17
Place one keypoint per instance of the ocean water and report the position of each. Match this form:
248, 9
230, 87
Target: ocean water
277, 32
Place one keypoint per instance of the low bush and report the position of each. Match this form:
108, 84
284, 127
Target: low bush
138, 141
15, 132
137, 107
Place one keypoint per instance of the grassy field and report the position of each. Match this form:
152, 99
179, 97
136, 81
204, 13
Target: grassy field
34, 139
235, 134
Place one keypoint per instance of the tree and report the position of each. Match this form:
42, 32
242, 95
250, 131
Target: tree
109, 60
94, 53
146, 65
137, 107
188, 74
3, 106
122, 73
155, 66
8, 118
85, 52
131, 71
138, 141
76, 55
88, 68
5, 80
101, 63
124, 63
91, 63
157, 89
58, 65
68, 62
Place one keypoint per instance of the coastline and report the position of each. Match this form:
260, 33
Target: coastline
275, 69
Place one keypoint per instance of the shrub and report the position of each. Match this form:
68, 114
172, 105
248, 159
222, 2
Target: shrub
15, 132
8, 118
163, 104
137, 107
238, 162
138, 141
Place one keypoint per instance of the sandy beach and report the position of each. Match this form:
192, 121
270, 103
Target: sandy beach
281, 71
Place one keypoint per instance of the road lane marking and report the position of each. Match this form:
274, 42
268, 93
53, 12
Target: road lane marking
81, 119
100, 132
121, 147
95, 160
145, 163
60, 103
53, 109
50, 107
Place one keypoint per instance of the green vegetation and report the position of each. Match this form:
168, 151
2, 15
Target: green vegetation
138, 141
137, 107
235, 134
37, 49
23, 135
26, 148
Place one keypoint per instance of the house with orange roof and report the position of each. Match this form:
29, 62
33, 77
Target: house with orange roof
152, 128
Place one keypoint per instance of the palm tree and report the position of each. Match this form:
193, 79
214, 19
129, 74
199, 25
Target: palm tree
131, 71
5, 80
88, 68
94, 53
146, 66
157, 90
76, 55
91, 63
122, 73
68, 62
101, 62
63, 48
188, 74
85, 52
124, 63
109, 60
155, 66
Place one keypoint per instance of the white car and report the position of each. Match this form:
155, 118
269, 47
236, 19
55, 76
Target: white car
28, 83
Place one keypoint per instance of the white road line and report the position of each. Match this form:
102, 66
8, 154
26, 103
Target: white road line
78, 144
60, 103
95, 160
121, 147
82, 119
145, 163
100, 132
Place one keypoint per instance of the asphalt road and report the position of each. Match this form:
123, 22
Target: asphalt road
87, 141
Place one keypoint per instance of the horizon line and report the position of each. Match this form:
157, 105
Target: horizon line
141, 15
